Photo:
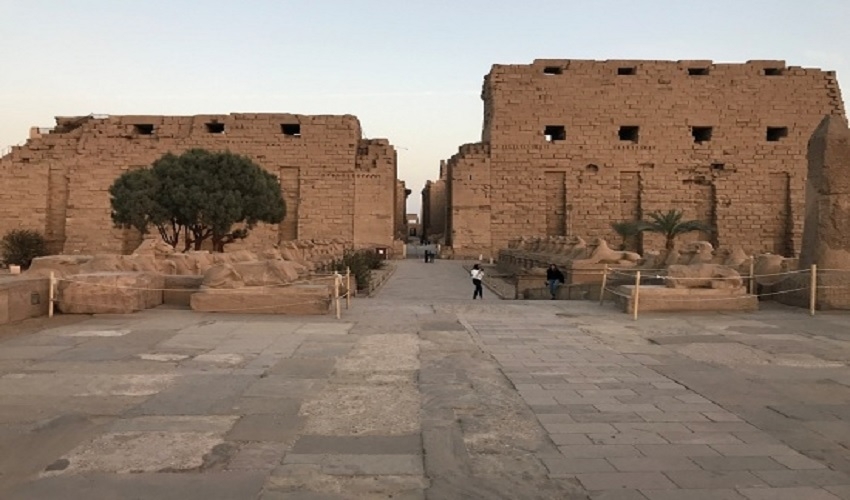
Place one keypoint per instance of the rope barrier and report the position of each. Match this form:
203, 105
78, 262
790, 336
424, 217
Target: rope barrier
622, 276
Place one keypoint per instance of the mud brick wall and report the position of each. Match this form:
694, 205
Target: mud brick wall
575, 145
58, 181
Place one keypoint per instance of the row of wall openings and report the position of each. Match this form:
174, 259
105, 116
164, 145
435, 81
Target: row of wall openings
773, 134
631, 133
631, 71
143, 128
292, 129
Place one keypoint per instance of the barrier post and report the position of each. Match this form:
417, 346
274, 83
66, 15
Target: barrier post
636, 298
813, 292
336, 294
752, 274
50, 295
604, 280
347, 287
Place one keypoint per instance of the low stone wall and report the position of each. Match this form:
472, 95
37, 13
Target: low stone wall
23, 298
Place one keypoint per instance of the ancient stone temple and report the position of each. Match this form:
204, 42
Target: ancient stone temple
569, 146
434, 207
336, 184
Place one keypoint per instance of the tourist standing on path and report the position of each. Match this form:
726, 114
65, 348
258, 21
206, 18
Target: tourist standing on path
554, 278
477, 275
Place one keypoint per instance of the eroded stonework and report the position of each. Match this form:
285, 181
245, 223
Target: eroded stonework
335, 183
569, 146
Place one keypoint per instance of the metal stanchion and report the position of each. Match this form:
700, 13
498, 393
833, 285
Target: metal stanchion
347, 287
336, 294
752, 275
813, 292
604, 281
51, 295
636, 299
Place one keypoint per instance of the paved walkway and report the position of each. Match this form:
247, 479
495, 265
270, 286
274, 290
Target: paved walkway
421, 392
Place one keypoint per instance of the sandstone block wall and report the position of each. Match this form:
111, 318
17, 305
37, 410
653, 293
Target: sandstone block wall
434, 207
468, 206
401, 193
334, 182
573, 145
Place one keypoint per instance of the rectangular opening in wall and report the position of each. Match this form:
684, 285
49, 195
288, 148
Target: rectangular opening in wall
291, 129
215, 128
775, 134
627, 70
718, 166
143, 128
697, 71
629, 133
701, 134
555, 133
552, 70
772, 71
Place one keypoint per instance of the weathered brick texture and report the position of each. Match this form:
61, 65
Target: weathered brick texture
569, 146
335, 183
434, 207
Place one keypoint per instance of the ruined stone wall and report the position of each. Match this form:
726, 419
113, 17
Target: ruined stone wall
469, 214
434, 210
401, 193
576, 145
58, 181
375, 194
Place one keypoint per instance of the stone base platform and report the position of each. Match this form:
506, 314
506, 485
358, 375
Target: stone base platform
179, 289
658, 298
295, 300
22, 298
110, 292
534, 287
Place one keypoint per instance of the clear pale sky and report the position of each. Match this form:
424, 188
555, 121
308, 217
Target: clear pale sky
411, 71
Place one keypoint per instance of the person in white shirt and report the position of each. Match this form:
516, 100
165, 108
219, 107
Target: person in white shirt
477, 275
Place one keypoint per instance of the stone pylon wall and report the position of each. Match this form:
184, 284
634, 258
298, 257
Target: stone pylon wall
575, 145
58, 181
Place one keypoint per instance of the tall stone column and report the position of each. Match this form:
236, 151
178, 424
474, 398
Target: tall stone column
826, 230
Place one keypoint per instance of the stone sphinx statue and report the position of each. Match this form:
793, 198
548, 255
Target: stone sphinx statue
699, 252
735, 258
578, 248
601, 253
155, 247
714, 276
770, 269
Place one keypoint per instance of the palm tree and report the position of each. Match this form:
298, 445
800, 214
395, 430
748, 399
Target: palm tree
671, 225
626, 229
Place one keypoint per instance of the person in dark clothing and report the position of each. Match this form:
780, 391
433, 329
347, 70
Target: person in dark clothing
554, 278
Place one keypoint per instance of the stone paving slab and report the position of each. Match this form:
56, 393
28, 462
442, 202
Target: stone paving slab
210, 486
419, 392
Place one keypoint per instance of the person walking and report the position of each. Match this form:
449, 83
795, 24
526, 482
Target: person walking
554, 278
477, 275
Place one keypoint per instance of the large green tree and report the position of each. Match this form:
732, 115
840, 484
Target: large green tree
200, 195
